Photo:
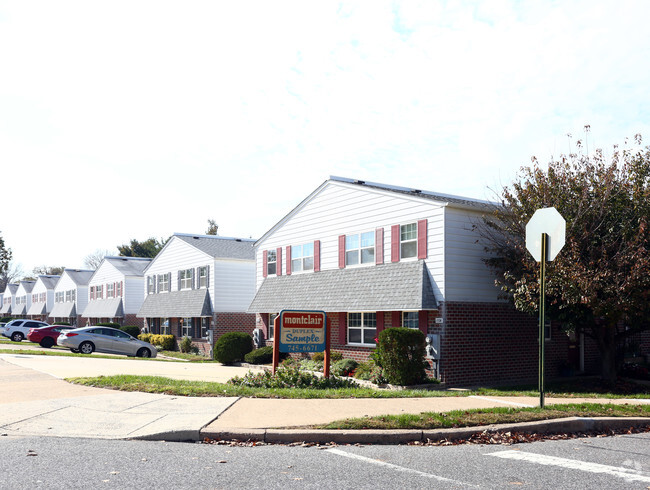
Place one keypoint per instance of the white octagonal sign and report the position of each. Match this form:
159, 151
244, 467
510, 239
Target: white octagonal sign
549, 221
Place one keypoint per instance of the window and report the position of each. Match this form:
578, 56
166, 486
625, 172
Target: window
68, 295
186, 327
360, 249
99, 292
271, 262
272, 317
410, 319
205, 326
43, 297
110, 290
58, 297
408, 240
185, 279
164, 327
74, 294
302, 257
118, 289
34, 298
362, 328
150, 285
203, 277
163, 283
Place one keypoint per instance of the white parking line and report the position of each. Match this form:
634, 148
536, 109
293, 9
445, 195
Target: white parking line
625, 473
398, 468
496, 400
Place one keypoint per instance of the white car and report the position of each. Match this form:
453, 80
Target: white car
17, 330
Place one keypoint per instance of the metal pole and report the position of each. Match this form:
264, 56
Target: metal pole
542, 315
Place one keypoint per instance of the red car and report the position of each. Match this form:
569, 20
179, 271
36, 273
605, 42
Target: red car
46, 336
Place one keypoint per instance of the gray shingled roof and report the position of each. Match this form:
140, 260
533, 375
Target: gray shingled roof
104, 308
129, 266
221, 247
64, 310
177, 304
388, 287
6, 308
19, 310
80, 277
49, 282
28, 285
12, 289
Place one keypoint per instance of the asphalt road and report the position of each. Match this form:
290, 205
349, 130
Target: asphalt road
620, 462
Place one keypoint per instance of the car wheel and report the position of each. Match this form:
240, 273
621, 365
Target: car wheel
76, 351
144, 352
86, 348
17, 337
47, 342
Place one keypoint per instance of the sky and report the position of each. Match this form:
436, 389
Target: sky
137, 119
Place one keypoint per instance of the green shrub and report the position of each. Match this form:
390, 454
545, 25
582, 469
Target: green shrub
146, 337
311, 365
263, 355
335, 356
58, 323
185, 345
131, 330
232, 347
400, 353
377, 376
108, 324
318, 356
165, 342
344, 367
290, 377
364, 369
5, 319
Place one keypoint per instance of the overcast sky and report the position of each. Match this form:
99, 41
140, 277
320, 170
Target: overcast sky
132, 119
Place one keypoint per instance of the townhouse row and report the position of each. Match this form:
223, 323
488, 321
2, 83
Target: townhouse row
371, 256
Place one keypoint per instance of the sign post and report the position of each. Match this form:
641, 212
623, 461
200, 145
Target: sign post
301, 331
545, 237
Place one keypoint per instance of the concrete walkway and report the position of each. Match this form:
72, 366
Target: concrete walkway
35, 401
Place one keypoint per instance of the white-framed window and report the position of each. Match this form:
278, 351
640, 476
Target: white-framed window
43, 297
360, 248
302, 257
411, 319
58, 297
271, 262
74, 294
186, 327
150, 285
35, 298
185, 278
362, 328
272, 317
68, 296
163, 283
165, 329
99, 292
205, 326
110, 290
203, 277
408, 240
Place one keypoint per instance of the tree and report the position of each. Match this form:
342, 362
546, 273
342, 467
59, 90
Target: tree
599, 284
148, 248
48, 271
213, 228
5, 260
92, 261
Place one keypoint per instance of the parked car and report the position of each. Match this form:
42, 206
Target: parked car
17, 330
2, 327
46, 336
104, 339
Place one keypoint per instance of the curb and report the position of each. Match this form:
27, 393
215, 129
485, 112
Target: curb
403, 436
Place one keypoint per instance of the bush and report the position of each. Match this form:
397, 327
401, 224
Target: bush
344, 367
5, 319
108, 324
232, 347
311, 365
131, 330
320, 356
290, 377
364, 370
165, 342
185, 345
400, 353
263, 355
335, 356
59, 323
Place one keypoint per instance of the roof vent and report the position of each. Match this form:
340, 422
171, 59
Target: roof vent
417, 191
195, 237
360, 182
238, 239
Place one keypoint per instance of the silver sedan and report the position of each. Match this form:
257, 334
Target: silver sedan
105, 339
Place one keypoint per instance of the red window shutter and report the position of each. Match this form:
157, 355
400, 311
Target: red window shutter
343, 328
379, 246
341, 251
423, 316
380, 322
278, 266
394, 243
121, 288
422, 239
92, 292
288, 260
316, 255
396, 320
264, 263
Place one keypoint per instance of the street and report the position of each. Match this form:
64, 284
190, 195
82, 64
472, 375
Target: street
608, 462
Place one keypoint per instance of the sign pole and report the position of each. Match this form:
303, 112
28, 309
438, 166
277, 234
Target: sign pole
326, 360
276, 343
542, 316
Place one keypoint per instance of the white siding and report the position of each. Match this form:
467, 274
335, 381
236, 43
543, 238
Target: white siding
39, 288
232, 285
133, 295
467, 276
178, 255
66, 284
343, 209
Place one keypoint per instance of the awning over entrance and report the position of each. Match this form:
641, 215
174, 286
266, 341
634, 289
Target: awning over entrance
6, 308
388, 287
64, 310
104, 308
19, 310
36, 309
177, 304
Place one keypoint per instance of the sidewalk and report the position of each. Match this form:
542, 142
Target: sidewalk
36, 403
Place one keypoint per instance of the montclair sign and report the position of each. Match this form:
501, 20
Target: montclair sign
302, 331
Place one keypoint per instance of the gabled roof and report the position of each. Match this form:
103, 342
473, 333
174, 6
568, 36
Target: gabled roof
177, 304
27, 285
220, 247
80, 277
129, 266
49, 281
11, 289
434, 197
